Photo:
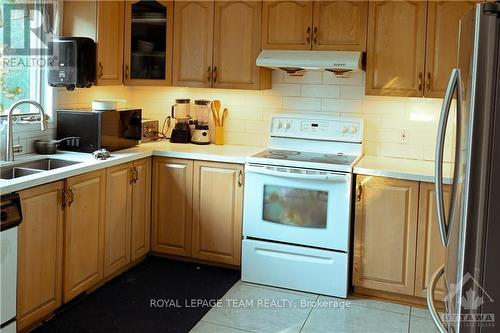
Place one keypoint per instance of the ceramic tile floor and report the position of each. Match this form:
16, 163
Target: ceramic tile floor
259, 309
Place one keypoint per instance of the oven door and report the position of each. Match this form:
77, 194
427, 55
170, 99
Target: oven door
297, 206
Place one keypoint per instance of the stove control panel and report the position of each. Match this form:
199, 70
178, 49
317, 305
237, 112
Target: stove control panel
317, 127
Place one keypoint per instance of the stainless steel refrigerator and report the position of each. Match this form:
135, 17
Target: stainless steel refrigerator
470, 225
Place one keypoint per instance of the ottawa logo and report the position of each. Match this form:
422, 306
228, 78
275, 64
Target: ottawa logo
472, 297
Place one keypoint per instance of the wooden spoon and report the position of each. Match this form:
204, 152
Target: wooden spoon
215, 112
224, 115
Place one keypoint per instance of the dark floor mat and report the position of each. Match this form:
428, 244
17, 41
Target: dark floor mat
124, 304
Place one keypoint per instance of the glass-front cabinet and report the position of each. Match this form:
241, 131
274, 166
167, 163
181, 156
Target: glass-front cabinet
148, 42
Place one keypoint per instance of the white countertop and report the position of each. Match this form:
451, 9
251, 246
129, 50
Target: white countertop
222, 153
368, 165
422, 171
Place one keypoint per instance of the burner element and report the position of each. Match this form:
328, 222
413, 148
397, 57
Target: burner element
280, 154
290, 155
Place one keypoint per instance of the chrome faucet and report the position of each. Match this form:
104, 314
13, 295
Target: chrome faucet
9, 149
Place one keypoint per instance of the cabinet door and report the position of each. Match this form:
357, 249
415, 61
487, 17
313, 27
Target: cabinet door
172, 204
430, 251
39, 274
237, 46
340, 25
193, 43
443, 20
118, 217
84, 233
148, 42
80, 19
385, 234
286, 25
217, 212
141, 209
396, 48
110, 16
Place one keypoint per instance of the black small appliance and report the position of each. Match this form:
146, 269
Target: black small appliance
73, 62
112, 130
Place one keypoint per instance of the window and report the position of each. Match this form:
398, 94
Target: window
24, 28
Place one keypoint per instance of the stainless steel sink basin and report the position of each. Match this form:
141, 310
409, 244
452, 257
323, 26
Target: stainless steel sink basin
16, 172
29, 168
47, 164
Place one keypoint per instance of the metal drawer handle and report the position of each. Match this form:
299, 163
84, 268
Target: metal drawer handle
136, 175
71, 196
420, 81
240, 178
209, 71
308, 35
359, 192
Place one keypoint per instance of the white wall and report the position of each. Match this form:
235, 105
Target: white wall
316, 92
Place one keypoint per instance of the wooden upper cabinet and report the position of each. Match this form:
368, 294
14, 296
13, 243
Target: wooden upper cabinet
193, 43
84, 232
385, 234
430, 251
172, 206
110, 24
118, 218
80, 19
40, 247
148, 42
287, 25
340, 25
237, 46
396, 48
443, 20
217, 212
141, 209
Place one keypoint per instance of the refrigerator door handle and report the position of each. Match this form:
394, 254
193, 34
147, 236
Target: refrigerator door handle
453, 84
430, 300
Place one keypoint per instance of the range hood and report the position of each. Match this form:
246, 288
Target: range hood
293, 62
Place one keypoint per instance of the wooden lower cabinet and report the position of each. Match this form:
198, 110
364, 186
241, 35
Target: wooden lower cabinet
385, 234
118, 217
396, 239
217, 212
172, 206
40, 253
197, 209
430, 251
84, 233
141, 209
128, 208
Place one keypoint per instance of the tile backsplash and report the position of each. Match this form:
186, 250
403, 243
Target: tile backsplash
387, 119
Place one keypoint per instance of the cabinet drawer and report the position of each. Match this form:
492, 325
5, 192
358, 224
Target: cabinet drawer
295, 267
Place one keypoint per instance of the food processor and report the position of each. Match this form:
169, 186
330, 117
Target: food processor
201, 134
181, 132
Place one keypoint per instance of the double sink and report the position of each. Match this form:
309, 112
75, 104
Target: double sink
29, 168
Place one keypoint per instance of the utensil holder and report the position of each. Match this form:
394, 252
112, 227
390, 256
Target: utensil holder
219, 135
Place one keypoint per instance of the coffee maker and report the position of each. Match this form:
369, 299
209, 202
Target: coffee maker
181, 133
201, 134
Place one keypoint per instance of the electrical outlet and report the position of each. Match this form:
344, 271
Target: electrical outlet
404, 136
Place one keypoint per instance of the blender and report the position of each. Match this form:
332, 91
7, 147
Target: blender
201, 134
181, 133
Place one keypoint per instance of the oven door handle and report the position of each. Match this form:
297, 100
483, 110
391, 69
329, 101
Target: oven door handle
330, 176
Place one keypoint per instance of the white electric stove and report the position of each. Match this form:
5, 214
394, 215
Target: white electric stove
297, 209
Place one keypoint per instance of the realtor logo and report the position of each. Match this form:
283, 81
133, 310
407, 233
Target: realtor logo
23, 28
472, 299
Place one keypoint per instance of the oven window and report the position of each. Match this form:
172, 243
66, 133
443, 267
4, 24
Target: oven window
294, 206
